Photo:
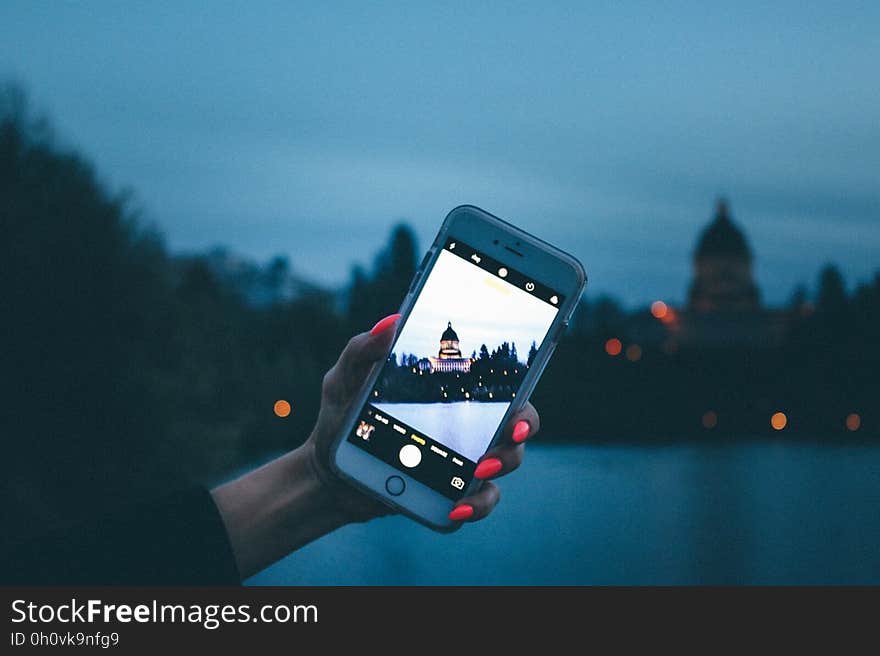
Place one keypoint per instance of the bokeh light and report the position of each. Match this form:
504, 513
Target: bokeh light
633, 352
282, 408
853, 421
710, 419
613, 346
659, 309
778, 420
669, 317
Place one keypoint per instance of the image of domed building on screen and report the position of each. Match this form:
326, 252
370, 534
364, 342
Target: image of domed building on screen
448, 358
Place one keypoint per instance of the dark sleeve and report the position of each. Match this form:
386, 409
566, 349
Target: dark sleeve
176, 540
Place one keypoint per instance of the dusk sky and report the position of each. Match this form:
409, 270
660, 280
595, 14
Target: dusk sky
482, 308
309, 129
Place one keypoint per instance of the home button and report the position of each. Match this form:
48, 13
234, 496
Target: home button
395, 485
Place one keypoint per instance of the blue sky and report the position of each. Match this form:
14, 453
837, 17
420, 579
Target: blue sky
309, 129
482, 308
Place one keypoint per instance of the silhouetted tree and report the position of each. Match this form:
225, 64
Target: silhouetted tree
393, 271
831, 297
533, 352
360, 307
277, 273
398, 261
126, 371
607, 315
89, 328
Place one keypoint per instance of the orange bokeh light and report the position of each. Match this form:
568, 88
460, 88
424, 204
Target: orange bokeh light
633, 352
778, 420
613, 346
710, 419
853, 421
282, 408
659, 309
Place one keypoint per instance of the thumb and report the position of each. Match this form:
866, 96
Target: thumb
362, 352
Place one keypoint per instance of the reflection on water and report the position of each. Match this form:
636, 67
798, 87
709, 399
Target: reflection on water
464, 426
732, 513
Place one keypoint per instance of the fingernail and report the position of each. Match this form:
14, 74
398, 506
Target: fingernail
461, 512
384, 324
521, 431
489, 467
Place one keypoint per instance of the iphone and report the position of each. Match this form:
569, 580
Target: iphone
479, 323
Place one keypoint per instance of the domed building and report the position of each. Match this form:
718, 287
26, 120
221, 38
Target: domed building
449, 358
449, 343
724, 303
723, 309
723, 268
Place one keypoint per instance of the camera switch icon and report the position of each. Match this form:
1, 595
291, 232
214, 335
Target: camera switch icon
457, 482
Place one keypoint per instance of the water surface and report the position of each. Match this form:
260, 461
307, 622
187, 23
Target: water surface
769, 512
464, 426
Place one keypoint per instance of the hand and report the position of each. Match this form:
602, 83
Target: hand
341, 384
296, 498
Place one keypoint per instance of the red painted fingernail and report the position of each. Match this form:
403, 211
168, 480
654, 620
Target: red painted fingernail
521, 431
461, 512
384, 324
489, 467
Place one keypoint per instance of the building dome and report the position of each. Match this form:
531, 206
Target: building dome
723, 268
449, 335
722, 238
449, 358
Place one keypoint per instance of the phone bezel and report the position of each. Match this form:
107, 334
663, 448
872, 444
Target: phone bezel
495, 237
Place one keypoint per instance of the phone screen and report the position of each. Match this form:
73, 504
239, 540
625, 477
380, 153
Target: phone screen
455, 367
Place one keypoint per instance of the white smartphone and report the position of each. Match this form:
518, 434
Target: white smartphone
482, 316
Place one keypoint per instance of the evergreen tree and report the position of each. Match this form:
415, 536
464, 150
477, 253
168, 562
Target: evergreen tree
831, 297
533, 352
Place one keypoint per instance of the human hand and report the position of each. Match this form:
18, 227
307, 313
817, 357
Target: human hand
341, 384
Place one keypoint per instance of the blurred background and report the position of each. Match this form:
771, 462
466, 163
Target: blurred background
199, 204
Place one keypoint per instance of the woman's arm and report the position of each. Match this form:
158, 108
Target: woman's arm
276, 509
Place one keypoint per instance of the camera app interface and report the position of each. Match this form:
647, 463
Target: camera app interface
457, 364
